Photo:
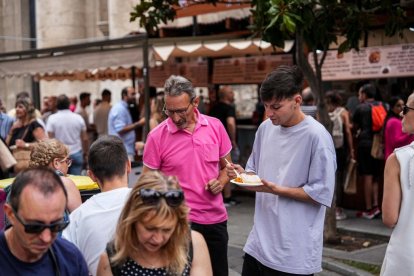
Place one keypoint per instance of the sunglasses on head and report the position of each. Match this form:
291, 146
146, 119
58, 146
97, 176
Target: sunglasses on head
173, 197
406, 109
37, 228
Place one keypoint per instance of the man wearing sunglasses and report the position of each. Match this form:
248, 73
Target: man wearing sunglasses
31, 245
93, 223
193, 147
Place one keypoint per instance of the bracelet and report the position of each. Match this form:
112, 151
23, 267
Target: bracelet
27, 145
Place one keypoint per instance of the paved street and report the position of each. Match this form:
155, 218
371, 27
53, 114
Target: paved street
241, 220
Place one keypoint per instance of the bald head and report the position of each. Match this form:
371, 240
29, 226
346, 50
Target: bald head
226, 94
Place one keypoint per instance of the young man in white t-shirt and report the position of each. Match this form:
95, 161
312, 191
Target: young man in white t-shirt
93, 224
294, 156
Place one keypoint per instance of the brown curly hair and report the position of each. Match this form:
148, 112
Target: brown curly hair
45, 151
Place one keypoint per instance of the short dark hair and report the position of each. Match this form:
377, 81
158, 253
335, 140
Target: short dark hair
62, 102
282, 83
152, 92
124, 92
84, 95
105, 92
44, 179
107, 157
369, 90
334, 97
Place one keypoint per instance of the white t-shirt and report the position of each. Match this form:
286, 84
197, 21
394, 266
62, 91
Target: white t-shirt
67, 128
92, 225
287, 234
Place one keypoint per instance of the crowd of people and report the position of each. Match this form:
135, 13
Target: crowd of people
174, 219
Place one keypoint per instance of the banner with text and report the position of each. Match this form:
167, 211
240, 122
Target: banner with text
371, 62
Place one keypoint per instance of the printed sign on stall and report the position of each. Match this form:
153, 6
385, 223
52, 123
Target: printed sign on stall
371, 62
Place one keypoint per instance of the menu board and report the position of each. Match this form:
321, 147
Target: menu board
246, 70
196, 72
370, 62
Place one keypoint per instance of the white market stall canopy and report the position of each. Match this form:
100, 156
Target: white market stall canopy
66, 61
217, 48
124, 52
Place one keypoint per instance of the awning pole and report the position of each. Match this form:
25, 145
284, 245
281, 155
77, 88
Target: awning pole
146, 88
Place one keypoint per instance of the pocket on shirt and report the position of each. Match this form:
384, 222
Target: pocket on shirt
211, 152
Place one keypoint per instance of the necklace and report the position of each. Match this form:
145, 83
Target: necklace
145, 262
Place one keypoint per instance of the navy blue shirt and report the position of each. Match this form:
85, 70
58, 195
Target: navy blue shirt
69, 259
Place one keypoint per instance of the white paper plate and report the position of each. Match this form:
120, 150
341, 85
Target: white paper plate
246, 184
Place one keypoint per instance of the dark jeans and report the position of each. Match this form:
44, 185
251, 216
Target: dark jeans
77, 163
251, 266
217, 238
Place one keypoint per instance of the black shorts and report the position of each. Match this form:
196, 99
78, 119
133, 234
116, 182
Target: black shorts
251, 266
367, 165
217, 239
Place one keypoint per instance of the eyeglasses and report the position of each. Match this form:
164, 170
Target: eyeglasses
37, 228
67, 160
406, 109
179, 112
173, 197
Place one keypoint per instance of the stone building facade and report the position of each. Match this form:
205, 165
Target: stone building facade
25, 24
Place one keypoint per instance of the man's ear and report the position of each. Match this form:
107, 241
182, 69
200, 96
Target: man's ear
298, 99
196, 101
8, 212
128, 166
92, 176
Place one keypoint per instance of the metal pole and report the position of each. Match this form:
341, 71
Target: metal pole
145, 73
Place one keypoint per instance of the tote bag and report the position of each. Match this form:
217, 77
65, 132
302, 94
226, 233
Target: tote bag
7, 159
350, 185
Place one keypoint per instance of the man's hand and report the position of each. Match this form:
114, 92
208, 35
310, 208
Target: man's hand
214, 186
230, 170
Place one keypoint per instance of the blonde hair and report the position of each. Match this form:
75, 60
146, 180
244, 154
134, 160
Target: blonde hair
44, 152
126, 238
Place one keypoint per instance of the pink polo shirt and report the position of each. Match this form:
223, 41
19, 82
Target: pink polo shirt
194, 159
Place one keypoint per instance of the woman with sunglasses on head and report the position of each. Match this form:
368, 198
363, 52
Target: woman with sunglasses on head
394, 137
153, 235
398, 202
55, 155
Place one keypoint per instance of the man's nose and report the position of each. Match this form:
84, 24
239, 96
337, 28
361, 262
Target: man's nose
269, 112
175, 117
46, 235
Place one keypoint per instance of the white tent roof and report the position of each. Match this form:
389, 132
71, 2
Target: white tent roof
73, 62
92, 56
126, 52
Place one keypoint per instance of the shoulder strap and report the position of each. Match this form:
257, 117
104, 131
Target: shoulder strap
54, 261
110, 251
190, 252
27, 129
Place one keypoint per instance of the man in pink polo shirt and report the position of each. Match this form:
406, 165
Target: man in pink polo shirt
193, 147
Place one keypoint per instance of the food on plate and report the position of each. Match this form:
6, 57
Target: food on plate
250, 178
238, 179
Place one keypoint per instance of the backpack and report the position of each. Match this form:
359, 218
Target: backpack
378, 114
338, 127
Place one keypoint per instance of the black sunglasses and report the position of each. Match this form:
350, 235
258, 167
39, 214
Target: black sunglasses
173, 197
37, 228
406, 109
